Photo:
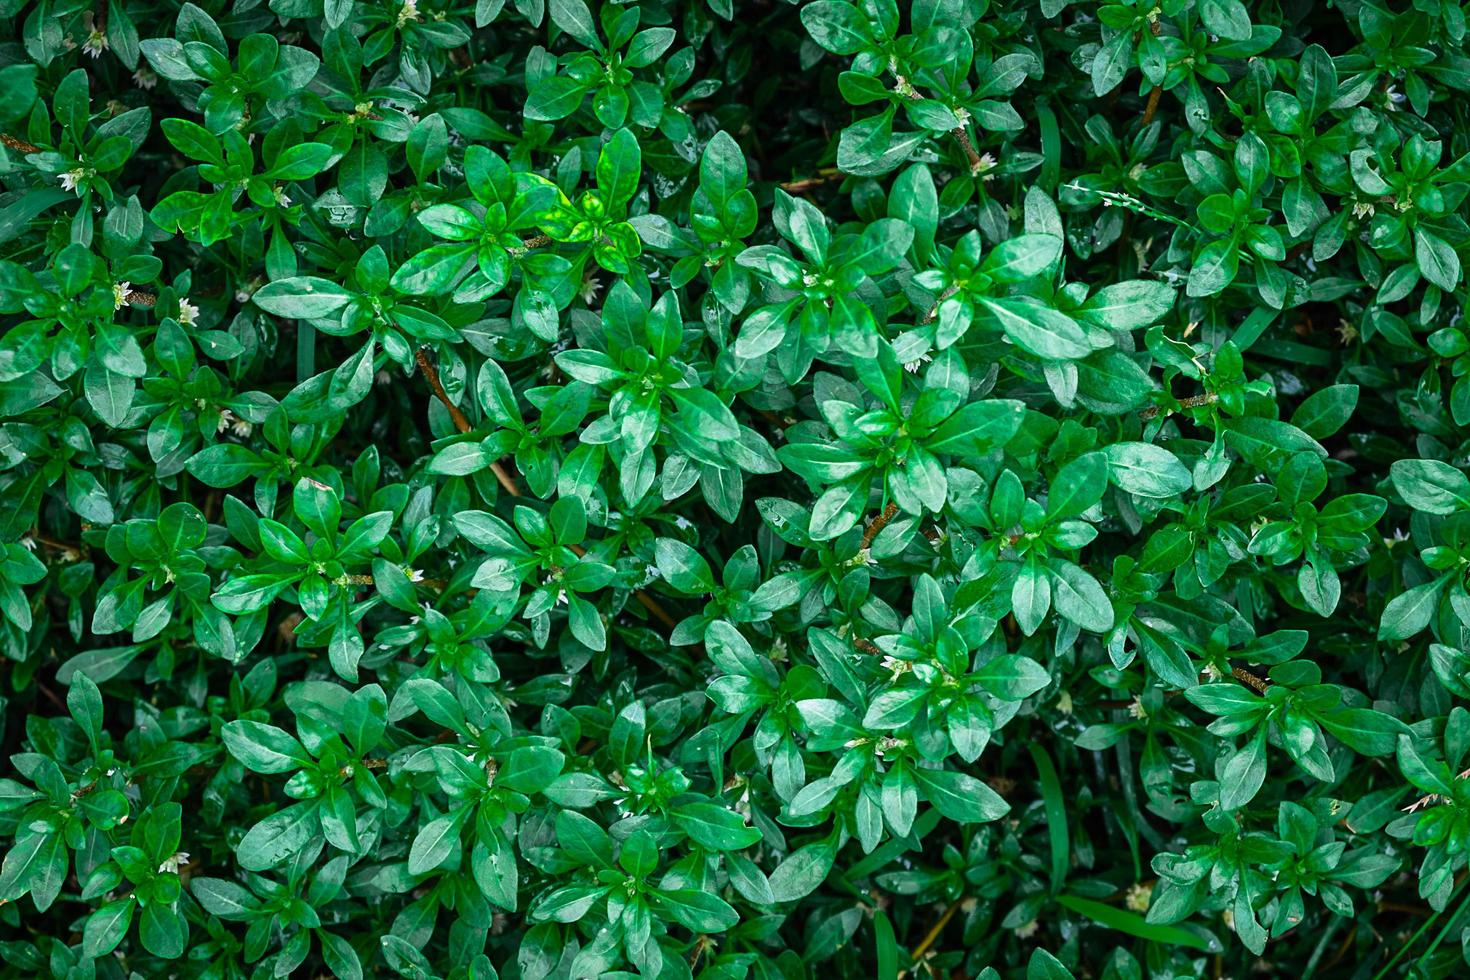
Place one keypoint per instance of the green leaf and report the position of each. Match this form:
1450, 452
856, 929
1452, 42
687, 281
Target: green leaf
1431, 486
307, 297
1147, 470
264, 748
1122, 920
961, 798
1038, 329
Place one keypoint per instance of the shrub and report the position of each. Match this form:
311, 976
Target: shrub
585, 489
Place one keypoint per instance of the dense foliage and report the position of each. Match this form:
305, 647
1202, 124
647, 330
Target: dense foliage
563, 488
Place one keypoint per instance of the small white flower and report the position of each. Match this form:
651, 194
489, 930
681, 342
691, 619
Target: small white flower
916, 365
171, 865
120, 292
590, 290
226, 420
282, 198
95, 44
1138, 895
188, 312
144, 78
414, 574
1137, 710
242, 429
1064, 703
1362, 209
28, 543
896, 667
981, 168
1027, 931
683, 523
408, 12
71, 178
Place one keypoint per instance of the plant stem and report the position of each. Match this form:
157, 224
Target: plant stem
431, 374
879, 523
933, 933
19, 145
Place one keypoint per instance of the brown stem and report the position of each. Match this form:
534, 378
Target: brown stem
933, 933
934, 310
1258, 684
426, 368
431, 375
1152, 106
879, 523
18, 145
963, 136
659, 613
647, 601
1193, 401
824, 176
536, 242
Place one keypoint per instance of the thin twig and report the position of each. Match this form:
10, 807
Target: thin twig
824, 176
1249, 680
934, 310
19, 145
431, 375
461, 422
961, 135
879, 523
932, 935
1152, 106
1193, 401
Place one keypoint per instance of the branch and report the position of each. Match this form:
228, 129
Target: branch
461, 422
879, 523
19, 145
932, 935
961, 135
934, 310
1152, 106
1258, 684
1193, 401
824, 176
